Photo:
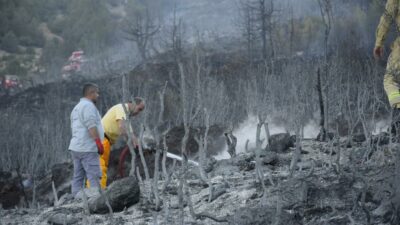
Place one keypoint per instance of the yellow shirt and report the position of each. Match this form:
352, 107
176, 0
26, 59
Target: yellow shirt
110, 121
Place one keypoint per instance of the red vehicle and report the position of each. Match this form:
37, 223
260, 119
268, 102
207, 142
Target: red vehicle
76, 56
11, 81
74, 64
10, 84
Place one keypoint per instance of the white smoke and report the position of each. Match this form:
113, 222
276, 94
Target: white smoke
247, 131
381, 126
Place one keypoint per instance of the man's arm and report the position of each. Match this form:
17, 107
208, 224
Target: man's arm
120, 118
386, 20
94, 133
123, 132
96, 137
89, 115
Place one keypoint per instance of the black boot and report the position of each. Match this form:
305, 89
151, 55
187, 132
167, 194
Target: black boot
395, 126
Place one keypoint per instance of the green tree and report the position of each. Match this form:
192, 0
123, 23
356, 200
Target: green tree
20, 21
53, 56
32, 36
7, 9
15, 68
88, 25
4, 24
10, 42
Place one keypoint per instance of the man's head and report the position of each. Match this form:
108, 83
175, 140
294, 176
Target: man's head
136, 106
91, 92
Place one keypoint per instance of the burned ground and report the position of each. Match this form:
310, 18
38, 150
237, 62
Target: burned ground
318, 193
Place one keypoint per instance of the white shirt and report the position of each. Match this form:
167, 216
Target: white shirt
83, 117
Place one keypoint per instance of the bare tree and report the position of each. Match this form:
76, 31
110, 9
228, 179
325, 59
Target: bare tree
140, 28
176, 36
326, 14
323, 123
188, 118
260, 174
266, 12
231, 141
258, 18
247, 25
128, 123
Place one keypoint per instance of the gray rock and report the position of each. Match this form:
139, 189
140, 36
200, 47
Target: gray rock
328, 136
385, 209
120, 194
280, 142
215, 142
61, 175
357, 155
62, 219
244, 161
260, 216
66, 198
218, 190
269, 158
359, 138
381, 139
89, 192
10, 190
209, 164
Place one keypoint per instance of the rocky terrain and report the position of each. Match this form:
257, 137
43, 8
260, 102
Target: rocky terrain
333, 183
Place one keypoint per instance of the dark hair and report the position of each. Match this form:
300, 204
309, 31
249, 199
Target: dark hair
88, 87
136, 100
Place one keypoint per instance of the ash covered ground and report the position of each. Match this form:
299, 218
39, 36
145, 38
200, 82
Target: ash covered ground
333, 183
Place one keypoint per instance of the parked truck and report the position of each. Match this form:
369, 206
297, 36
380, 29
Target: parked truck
10, 84
74, 65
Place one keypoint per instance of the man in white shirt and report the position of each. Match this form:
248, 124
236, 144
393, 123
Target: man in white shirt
86, 142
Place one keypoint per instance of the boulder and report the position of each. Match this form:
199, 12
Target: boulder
90, 193
209, 164
245, 161
63, 219
329, 136
269, 158
381, 139
61, 175
216, 140
10, 191
120, 194
280, 142
359, 137
357, 155
218, 190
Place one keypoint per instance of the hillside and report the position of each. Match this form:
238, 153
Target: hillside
37, 39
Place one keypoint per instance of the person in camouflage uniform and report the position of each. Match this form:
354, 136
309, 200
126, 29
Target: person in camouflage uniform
392, 76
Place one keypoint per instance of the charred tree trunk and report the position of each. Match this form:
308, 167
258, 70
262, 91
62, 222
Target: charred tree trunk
326, 14
263, 29
127, 123
231, 141
322, 134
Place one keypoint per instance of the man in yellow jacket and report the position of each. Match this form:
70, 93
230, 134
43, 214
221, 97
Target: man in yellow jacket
392, 75
113, 126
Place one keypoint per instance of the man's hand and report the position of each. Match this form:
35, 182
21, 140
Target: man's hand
100, 148
378, 52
